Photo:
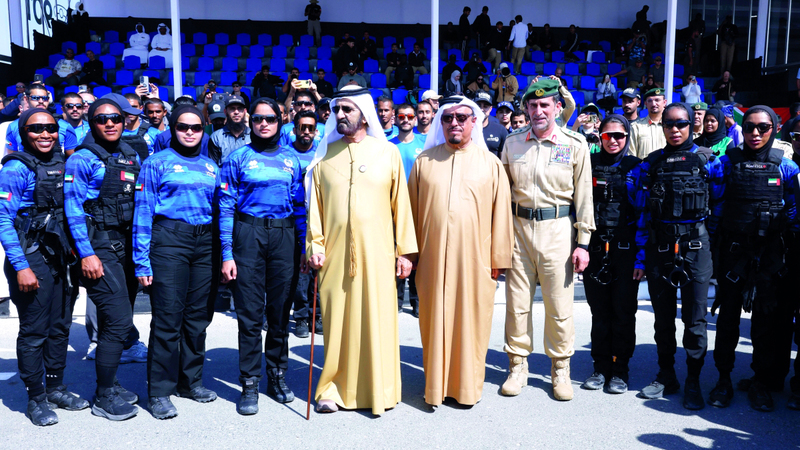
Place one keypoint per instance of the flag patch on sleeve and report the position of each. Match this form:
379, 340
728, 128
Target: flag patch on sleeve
69, 178
139, 186
224, 186
599, 182
5, 195
125, 176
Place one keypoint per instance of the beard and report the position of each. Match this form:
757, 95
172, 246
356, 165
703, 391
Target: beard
235, 126
455, 140
347, 128
304, 140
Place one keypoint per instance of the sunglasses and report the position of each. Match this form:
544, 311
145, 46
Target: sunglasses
749, 127
460, 118
87, 104
73, 106
39, 128
304, 103
795, 135
270, 118
346, 109
406, 117
307, 128
184, 127
39, 98
680, 124
616, 135
102, 119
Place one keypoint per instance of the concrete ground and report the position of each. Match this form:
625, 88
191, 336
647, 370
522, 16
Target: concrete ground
592, 420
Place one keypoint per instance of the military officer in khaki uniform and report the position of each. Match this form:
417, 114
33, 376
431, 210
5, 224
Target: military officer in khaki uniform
647, 134
551, 174
699, 110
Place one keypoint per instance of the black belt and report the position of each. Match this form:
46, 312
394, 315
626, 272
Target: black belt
286, 222
688, 230
183, 227
540, 214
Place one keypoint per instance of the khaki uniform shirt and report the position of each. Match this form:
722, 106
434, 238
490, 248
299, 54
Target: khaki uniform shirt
785, 147
551, 172
646, 137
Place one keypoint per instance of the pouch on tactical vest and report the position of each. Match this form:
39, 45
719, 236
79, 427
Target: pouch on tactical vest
678, 185
753, 194
610, 194
113, 208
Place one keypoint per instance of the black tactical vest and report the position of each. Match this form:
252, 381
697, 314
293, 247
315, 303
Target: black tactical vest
753, 194
113, 208
612, 208
137, 142
678, 186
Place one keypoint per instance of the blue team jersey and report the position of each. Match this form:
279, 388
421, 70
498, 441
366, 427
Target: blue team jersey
17, 184
261, 184
391, 133
152, 134
147, 136
83, 177
409, 151
81, 131
175, 187
164, 138
288, 137
66, 136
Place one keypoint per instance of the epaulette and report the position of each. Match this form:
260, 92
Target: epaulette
519, 130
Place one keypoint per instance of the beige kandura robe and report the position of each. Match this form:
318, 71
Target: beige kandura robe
461, 203
358, 210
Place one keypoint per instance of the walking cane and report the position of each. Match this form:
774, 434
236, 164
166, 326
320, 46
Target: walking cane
311, 360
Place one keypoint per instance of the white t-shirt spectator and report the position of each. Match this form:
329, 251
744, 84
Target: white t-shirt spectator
692, 93
66, 67
519, 35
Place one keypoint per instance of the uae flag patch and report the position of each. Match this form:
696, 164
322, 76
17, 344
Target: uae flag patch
139, 186
224, 186
599, 182
69, 178
774, 182
5, 195
125, 176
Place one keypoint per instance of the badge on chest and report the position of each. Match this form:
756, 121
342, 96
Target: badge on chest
561, 154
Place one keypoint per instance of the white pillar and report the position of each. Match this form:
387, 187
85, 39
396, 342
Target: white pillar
669, 51
434, 55
177, 70
762, 17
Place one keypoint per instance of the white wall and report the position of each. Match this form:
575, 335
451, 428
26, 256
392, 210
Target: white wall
559, 13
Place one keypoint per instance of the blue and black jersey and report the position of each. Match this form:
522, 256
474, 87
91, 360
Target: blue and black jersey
288, 137
261, 184
174, 187
17, 184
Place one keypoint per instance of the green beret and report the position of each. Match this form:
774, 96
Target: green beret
702, 106
656, 91
545, 87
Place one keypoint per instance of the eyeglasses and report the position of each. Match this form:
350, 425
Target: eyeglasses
749, 127
270, 118
184, 127
303, 103
102, 119
680, 124
616, 135
795, 135
460, 118
307, 128
38, 128
39, 98
346, 109
87, 104
73, 106
406, 116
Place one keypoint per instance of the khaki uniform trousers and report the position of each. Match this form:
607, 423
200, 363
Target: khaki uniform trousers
543, 253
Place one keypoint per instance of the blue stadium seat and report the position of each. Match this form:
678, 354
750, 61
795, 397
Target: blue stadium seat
569, 82
580, 55
279, 51
331, 78
377, 80
157, 63
614, 83
234, 51
227, 78
201, 78
82, 58
324, 53
305, 76
425, 81
243, 39
124, 77
257, 51
69, 44
427, 43
286, 40
131, 62
211, 50
230, 64
265, 39
95, 47
571, 69
302, 53
588, 83
222, 39
152, 74
388, 41
399, 96
200, 38
593, 69
45, 71
614, 68
326, 65
190, 91
409, 42
375, 93
277, 65
11, 91
679, 70
371, 66
522, 82
454, 51
302, 65
485, 64
100, 91
605, 45
205, 63
579, 97
109, 62
111, 36
537, 57
550, 68
171, 79
185, 62
598, 57
327, 41
676, 97
67, 90
253, 65
116, 49
53, 59
307, 40
557, 56
128, 90
188, 50
528, 69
